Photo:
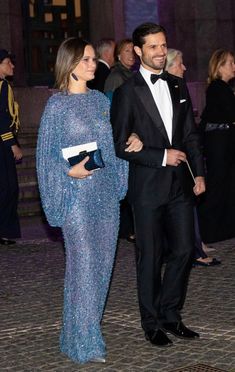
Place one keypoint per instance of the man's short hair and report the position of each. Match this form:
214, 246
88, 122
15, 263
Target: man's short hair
145, 29
103, 45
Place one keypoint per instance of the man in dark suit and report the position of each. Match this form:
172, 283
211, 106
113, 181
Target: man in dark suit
105, 51
156, 106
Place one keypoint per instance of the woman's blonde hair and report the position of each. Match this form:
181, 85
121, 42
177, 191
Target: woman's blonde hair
120, 45
171, 56
218, 59
69, 55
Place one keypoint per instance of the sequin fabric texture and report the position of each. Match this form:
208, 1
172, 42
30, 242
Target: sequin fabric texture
86, 209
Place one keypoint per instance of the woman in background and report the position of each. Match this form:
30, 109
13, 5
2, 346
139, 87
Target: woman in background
84, 203
216, 210
122, 70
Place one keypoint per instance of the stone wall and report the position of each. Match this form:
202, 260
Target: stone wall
11, 35
198, 27
32, 102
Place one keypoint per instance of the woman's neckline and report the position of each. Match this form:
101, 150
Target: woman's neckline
77, 93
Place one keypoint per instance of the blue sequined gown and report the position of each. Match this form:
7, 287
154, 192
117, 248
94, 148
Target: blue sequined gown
86, 209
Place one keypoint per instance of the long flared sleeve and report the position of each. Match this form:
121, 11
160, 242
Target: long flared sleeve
55, 185
120, 167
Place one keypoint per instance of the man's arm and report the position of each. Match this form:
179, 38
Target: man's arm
122, 119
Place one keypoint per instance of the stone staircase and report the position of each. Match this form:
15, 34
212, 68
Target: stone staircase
29, 200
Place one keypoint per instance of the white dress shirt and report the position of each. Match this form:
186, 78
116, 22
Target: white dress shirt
162, 98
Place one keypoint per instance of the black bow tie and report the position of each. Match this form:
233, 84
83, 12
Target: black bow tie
155, 77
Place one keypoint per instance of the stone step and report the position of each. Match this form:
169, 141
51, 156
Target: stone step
28, 161
30, 208
31, 150
27, 192
28, 133
27, 140
27, 177
29, 199
29, 129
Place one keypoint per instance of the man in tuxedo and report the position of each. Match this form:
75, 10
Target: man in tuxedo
105, 51
156, 106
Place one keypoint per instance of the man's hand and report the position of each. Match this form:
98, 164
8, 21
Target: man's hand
200, 186
134, 143
175, 157
17, 152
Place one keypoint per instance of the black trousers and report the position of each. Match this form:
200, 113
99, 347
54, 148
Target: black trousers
161, 295
126, 219
9, 221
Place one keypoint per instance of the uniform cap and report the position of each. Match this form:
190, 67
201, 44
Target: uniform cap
5, 54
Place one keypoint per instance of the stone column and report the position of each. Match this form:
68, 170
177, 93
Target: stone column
101, 23
119, 19
11, 35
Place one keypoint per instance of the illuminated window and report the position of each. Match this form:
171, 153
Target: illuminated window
31, 9
63, 16
77, 5
48, 17
46, 25
59, 2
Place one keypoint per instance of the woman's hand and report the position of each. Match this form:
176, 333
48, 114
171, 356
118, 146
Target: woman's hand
79, 170
134, 143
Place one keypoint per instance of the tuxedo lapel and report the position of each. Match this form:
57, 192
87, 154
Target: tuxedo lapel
175, 98
143, 92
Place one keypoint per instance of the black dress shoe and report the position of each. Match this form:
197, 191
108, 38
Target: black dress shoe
179, 330
5, 241
158, 338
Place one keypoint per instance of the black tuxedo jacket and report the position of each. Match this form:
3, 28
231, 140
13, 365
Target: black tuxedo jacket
134, 110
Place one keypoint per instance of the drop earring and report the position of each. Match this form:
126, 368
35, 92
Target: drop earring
74, 76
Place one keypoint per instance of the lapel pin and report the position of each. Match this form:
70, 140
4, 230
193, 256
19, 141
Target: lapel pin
176, 86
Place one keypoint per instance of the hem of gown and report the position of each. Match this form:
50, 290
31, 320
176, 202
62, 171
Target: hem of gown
82, 360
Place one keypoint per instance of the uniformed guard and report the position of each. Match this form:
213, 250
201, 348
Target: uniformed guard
10, 152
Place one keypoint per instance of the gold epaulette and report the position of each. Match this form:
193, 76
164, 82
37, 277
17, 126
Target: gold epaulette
13, 108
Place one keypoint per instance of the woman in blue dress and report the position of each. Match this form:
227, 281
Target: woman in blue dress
84, 203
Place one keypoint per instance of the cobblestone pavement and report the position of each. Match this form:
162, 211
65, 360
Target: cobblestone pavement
31, 295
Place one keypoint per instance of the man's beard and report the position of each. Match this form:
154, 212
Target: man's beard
153, 66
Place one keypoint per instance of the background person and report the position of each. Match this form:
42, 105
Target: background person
174, 62
122, 70
175, 66
105, 52
10, 152
84, 203
216, 208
